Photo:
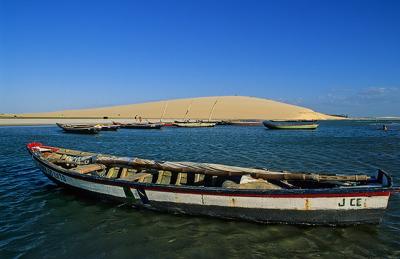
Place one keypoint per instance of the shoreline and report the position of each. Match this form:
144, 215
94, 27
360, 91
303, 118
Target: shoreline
29, 121
53, 121
4, 122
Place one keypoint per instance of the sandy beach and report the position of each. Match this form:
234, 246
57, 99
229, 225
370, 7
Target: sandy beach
53, 121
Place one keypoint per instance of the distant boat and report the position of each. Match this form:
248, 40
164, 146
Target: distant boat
194, 124
144, 125
79, 129
244, 123
291, 124
107, 127
223, 123
218, 190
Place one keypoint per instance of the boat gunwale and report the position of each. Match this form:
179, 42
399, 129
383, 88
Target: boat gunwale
201, 190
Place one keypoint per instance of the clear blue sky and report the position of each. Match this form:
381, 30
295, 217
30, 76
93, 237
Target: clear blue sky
331, 56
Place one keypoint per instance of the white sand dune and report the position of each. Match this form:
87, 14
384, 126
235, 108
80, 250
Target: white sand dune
214, 108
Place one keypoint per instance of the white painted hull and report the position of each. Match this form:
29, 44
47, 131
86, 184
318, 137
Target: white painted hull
195, 124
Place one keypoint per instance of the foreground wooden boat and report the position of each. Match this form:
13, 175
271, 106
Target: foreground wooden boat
291, 125
219, 190
79, 129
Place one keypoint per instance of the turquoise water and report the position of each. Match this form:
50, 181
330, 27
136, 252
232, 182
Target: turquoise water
39, 219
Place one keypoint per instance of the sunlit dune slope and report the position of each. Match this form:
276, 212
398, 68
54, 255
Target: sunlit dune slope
214, 108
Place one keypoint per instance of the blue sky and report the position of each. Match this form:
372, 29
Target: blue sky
331, 56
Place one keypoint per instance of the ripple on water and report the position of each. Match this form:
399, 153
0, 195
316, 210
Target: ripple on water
39, 219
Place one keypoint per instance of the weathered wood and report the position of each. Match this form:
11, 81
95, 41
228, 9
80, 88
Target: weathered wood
84, 169
140, 177
203, 168
221, 170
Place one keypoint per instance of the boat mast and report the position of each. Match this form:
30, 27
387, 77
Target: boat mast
212, 109
188, 109
165, 109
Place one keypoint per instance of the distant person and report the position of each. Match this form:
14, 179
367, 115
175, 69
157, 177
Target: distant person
385, 128
140, 119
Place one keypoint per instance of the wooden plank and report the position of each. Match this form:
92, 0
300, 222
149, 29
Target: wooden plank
223, 170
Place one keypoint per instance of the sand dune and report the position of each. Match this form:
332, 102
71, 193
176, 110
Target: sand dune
214, 108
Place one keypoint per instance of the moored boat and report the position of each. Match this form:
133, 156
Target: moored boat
218, 190
141, 125
79, 129
194, 124
244, 123
291, 124
107, 127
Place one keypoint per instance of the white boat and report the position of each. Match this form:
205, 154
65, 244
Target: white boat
194, 124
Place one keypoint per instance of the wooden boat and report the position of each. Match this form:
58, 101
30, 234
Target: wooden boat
223, 123
143, 126
244, 123
79, 129
218, 190
117, 123
194, 124
107, 127
146, 125
291, 125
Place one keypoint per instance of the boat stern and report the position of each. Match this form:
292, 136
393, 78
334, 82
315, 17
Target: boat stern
384, 178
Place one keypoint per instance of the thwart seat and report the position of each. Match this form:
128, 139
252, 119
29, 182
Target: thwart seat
84, 169
139, 177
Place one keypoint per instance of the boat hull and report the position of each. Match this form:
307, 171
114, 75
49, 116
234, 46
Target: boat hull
83, 131
195, 124
290, 127
144, 126
79, 129
110, 128
244, 123
314, 207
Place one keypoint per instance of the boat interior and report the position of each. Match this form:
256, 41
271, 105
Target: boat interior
64, 158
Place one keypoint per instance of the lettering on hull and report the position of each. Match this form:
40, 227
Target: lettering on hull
351, 202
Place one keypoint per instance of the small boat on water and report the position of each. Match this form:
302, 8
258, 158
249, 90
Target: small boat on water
223, 123
141, 125
219, 190
244, 123
291, 124
194, 124
107, 127
79, 129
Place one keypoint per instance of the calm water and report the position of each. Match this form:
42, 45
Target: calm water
39, 219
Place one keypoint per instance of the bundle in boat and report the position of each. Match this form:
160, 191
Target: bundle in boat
221, 170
